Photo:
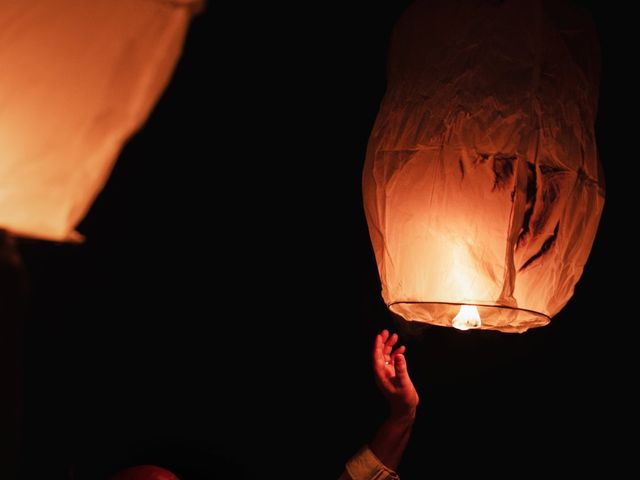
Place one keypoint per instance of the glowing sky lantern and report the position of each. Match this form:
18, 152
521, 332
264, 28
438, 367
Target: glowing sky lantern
78, 78
482, 186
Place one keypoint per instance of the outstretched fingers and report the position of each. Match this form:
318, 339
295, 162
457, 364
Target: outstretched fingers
402, 374
388, 346
401, 349
378, 347
384, 334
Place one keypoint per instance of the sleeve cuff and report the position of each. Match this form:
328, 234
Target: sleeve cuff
364, 465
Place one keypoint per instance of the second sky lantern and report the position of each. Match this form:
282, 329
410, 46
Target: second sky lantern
78, 78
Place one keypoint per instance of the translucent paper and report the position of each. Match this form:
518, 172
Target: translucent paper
78, 77
481, 183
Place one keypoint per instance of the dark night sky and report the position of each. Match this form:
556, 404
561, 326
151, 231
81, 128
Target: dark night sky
220, 314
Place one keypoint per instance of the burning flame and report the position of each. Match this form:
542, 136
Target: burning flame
467, 318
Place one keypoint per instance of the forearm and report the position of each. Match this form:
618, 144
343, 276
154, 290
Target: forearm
391, 439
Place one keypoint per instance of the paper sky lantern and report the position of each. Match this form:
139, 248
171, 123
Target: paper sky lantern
78, 77
482, 186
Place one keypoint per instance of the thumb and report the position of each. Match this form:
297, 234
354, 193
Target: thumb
400, 365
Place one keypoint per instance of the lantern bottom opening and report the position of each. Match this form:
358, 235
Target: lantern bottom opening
493, 317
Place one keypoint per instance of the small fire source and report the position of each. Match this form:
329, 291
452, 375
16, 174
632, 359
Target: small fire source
467, 318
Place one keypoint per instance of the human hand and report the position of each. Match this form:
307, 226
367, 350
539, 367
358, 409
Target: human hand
392, 376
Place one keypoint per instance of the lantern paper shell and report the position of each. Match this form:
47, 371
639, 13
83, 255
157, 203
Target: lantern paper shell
78, 77
482, 184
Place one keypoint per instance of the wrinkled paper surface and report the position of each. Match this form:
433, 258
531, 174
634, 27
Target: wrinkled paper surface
481, 182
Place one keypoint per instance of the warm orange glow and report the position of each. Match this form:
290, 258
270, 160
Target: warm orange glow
482, 183
467, 318
78, 79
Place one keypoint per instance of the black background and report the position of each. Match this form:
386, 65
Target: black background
218, 319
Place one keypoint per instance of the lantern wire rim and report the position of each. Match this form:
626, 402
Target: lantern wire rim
416, 302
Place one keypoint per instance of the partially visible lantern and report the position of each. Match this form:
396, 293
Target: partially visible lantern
482, 186
78, 77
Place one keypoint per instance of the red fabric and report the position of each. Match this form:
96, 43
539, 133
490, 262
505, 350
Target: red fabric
145, 472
